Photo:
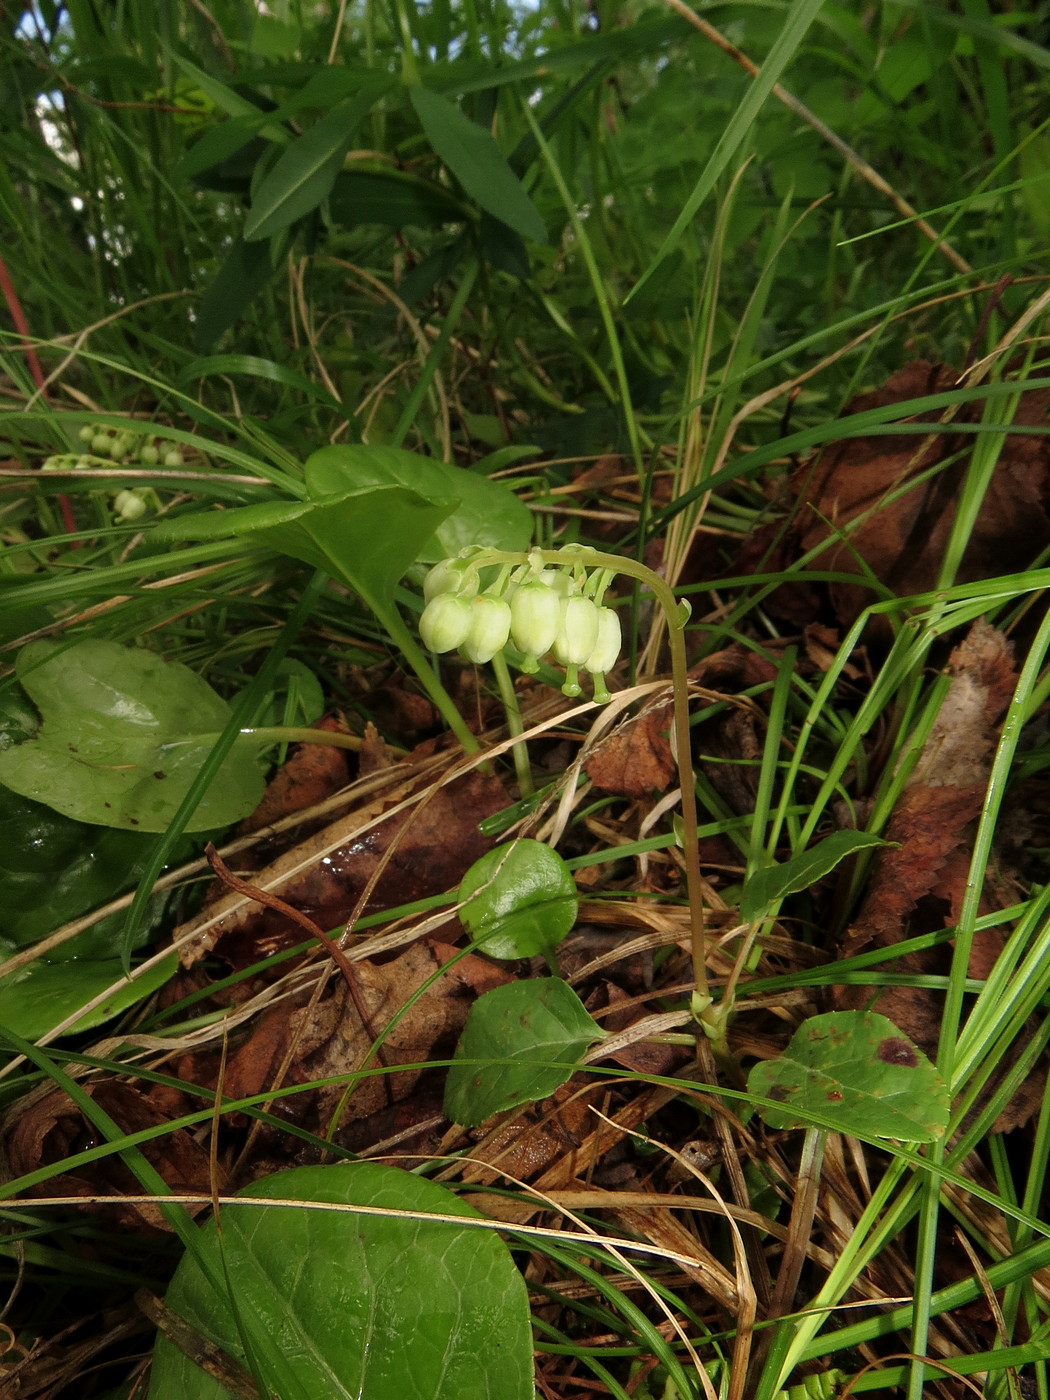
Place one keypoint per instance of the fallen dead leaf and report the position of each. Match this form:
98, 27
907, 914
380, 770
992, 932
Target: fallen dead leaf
635, 760
919, 886
311, 773
900, 535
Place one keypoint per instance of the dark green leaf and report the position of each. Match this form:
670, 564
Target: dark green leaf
217, 144
856, 1070
765, 887
306, 171
123, 737
486, 512
477, 162
537, 1030
394, 198
518, 900
335, 1305
237, 283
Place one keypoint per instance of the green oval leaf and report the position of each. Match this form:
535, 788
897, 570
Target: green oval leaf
42, 994
336, 1306
477, 163
766, 886
536, 1030
123, 736
486, 511
856, 1070
518, 900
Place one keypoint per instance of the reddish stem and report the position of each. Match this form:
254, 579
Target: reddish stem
22, 328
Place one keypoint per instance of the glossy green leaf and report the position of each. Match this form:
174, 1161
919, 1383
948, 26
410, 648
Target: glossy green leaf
52, 869
486, 512
368, 537
41, 995
856, 1072
536, 1030
123, 736
335, 1305
306, 171
518, 900
477, 162
766, 886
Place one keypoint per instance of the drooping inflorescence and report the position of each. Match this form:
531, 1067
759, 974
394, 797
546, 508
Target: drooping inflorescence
538, 606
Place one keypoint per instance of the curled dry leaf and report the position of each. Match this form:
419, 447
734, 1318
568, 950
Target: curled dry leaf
850, 498
52, 1128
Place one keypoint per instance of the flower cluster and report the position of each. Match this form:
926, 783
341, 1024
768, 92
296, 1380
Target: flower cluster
120, 448
537, 607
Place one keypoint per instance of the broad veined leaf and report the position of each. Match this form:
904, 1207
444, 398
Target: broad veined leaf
537, 1031
367, 537
123, 736
766, 886
518, 900
856, 1069
477, 162
486, 512
306, 171
339, 1306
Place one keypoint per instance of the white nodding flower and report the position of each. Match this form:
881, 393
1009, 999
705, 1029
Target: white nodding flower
149, 454
578, 632
535, 616
607, 647
489, 629
451, 576
446, 622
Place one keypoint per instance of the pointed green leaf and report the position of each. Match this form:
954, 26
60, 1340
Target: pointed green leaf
232, 290
477, 162
537, 1030
335, 1305
857, 1072
766, 886
306, 171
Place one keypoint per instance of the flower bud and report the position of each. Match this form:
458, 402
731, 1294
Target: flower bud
445, 623
578, 632
451, 576
489, 629
606, 651
100, 444
149, 454
87, 432
129, 505
535, 616
173, 458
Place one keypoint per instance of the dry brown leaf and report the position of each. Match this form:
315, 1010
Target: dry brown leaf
311, 773
919, 886
52, 1128
635, 760
902, 540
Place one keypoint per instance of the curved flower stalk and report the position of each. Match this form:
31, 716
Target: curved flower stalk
550, 601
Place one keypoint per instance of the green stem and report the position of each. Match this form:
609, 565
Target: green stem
515, 727
712, 1019
416, 658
